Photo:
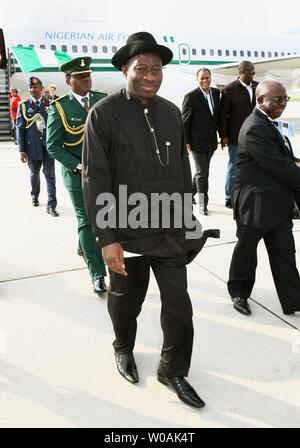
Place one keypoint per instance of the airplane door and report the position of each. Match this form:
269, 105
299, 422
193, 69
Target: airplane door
184, 54
3, 59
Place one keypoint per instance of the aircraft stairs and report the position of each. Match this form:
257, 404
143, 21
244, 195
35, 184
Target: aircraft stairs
5, 125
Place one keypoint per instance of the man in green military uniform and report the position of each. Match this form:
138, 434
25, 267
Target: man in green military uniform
65, 129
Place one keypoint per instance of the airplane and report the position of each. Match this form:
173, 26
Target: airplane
273, 58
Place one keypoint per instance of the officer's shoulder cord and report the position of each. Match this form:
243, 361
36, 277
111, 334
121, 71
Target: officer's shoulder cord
74, 131
29, 121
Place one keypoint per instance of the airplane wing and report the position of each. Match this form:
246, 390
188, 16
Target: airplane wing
277, 66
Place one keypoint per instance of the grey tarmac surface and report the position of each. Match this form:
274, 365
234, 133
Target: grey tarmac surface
57, 366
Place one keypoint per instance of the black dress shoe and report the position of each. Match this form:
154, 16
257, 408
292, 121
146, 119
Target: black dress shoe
228, 203
127, 367
52, 211
79, 252
99, 285
241, 305
288, 312
35, 202
183, 389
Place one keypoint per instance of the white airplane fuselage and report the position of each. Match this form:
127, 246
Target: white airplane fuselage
190, 53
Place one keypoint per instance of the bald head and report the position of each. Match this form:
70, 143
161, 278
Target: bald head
271, 98
244, 65
267, 87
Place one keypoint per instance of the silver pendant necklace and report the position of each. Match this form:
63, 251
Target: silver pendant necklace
168, 144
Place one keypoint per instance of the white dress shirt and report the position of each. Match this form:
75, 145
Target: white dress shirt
79, 98
249, 88
209, 100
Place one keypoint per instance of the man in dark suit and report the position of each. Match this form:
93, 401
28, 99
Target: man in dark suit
31, 124
263, 202
200, 111
237, 103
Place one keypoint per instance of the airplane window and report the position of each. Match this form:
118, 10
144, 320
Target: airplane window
19, 45
262, 54
95, 49
194, 51
276, 54
289, 54
184, 51
64, 48
114, 49
203, 52
242, 53
256, 54
249, 53
219, 52
227, 52
43, 47
234, 52
53, 47
31, 45
104, 49
74, 48
282, 53
269, 54
211, 52
84, 48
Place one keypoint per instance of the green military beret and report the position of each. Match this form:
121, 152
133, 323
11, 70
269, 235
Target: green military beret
77, 66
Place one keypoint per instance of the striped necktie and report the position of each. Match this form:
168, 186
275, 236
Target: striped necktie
85, 101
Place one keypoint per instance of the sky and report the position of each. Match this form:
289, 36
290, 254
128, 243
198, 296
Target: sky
257, 17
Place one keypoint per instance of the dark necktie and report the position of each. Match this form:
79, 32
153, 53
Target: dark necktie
85, 101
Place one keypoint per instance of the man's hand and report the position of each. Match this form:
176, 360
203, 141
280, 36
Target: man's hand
188, 148
114, 258
224, 142
23, 157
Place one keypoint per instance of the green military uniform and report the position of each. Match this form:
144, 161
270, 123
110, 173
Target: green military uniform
65, 129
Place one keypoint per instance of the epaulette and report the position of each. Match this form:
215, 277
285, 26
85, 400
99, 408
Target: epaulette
57, 99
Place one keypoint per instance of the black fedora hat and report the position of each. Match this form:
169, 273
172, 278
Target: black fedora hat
138, 43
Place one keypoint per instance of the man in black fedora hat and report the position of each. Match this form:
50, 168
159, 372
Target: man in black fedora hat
134, 140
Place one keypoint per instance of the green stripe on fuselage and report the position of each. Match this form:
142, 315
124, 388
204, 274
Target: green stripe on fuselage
110, 68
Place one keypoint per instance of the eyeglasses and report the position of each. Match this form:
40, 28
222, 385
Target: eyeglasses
278, 99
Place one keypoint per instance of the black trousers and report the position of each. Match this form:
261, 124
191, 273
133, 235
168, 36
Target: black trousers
48, 165
200, 180
281, 250
125, 299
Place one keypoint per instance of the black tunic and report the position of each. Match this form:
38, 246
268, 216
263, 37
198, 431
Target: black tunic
119, 149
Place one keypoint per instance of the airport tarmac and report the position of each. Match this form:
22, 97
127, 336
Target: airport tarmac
57, 366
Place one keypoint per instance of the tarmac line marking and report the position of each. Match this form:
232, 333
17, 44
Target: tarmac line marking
257, 303
41, 275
